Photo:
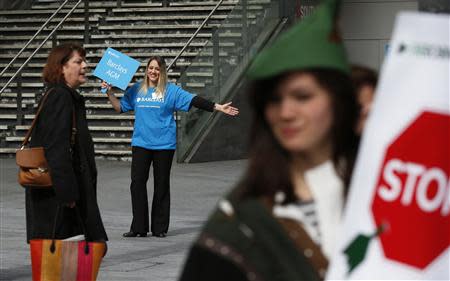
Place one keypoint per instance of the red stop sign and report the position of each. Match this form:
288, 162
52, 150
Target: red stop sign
412, 195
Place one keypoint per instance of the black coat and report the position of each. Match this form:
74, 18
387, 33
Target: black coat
72, 168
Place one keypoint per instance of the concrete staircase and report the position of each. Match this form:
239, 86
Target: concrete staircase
139, 29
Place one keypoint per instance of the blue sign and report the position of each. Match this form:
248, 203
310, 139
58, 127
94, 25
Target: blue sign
116, 68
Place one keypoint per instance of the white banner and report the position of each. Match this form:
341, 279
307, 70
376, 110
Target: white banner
397, 221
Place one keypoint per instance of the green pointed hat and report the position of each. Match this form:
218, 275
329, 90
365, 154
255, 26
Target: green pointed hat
313, 42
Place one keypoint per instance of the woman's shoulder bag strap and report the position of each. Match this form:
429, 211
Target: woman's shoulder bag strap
33, 124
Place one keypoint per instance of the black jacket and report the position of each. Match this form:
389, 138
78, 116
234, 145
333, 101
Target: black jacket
72, 168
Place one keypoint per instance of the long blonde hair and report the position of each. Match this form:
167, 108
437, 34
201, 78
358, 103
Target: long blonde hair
162, 81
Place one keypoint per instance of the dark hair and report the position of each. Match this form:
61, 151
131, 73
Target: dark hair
362, 75
268, 170
58, 56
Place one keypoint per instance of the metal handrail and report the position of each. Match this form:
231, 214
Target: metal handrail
194, 35
40, 46
34, 36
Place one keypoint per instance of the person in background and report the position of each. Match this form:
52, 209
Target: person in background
71, 161
280, 221
365, 81
154, 102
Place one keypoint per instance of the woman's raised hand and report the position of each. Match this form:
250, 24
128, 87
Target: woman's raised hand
227, 108
105, 87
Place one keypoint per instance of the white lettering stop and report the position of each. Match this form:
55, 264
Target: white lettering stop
418, 180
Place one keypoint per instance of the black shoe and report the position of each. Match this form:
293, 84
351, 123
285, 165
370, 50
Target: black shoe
134, 234
159, 235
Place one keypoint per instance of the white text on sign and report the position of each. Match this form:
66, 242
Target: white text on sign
116, 66
418, 180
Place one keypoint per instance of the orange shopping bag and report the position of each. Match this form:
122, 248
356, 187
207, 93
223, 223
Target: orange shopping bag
58, 260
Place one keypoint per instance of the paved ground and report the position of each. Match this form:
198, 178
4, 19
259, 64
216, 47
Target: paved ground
195, 191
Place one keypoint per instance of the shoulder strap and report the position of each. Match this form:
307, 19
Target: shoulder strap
303, 242
33, 124
30, 130
258, 215
306, 245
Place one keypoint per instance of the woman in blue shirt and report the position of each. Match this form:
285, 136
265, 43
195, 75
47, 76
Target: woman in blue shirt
154, 101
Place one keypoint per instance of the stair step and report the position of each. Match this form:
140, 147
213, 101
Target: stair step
112, 140
144, 45
96, 140
91, 128
111, 128
41, 37
202, 34
165, 18
11, 105
91, 75
106, 152
101, 152
177, 18
153, 26
4, 150
155, 44
107, 4
202, 3
14, 95
40, 21
99, 106
76, 37
131, 54
93, 65
49, 12
169, 9
14, 139
35, 28
8, 116
213, 3
110, 117
116, 117
93, 85
101, 95
122, 27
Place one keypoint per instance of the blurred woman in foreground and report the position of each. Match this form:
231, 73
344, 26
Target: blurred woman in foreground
280, 222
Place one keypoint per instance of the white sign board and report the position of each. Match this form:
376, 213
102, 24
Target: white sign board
397, 221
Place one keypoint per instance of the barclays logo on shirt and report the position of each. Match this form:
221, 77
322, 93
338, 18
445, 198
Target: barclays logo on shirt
148, 99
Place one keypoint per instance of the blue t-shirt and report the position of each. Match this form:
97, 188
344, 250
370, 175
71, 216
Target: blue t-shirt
154, 124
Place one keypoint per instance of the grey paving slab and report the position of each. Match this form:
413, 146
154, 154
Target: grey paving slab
195, 189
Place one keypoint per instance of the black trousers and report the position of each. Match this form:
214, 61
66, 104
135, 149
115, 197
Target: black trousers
140, 166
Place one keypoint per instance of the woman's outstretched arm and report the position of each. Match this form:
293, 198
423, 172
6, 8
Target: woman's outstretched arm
207, 105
